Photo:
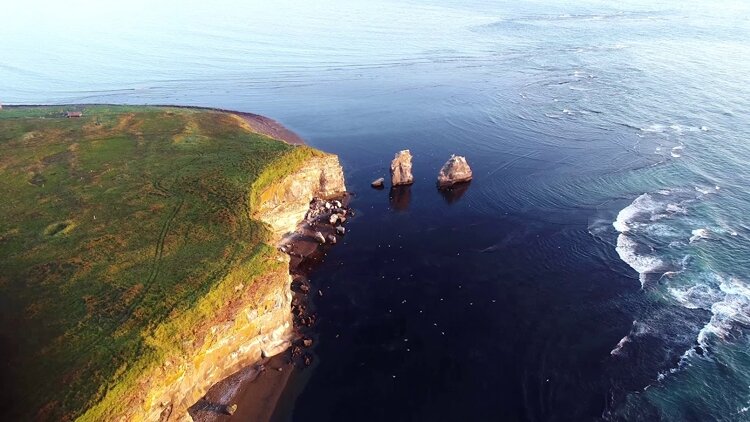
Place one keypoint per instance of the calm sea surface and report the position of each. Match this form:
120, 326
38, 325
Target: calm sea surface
598, 267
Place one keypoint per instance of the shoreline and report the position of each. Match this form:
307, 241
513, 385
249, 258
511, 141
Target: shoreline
258, 123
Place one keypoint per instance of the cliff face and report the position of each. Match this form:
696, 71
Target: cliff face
284, 205
246, 329
242, 333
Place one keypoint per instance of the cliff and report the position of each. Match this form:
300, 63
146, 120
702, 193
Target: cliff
256, 323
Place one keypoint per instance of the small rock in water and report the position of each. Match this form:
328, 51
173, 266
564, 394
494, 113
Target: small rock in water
320, 238
331, 239
296, 351
401, 169
340, 230
333, 219
378, 183
455, 170
307, 359
307, 341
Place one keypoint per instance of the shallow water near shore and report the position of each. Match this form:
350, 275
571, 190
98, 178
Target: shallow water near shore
596, 268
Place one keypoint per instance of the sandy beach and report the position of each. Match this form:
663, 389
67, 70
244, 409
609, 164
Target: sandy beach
255, 390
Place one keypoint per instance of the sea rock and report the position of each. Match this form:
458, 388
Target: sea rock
307, 359
455, 170
340, 230
378, 183
320, 238
401, 169
332, 239
307, 341
333, 219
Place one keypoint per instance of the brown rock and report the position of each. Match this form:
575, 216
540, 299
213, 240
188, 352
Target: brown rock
307, 359
455, 170
378, 183
401, 169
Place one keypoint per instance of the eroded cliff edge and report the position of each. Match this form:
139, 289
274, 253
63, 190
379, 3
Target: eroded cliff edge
255, 323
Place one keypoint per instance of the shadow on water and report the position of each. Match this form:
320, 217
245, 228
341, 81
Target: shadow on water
400, 197
452, 194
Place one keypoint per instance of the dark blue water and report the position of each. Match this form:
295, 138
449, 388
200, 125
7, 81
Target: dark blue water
518, 298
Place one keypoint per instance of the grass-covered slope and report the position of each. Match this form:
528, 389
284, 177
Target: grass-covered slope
114, 228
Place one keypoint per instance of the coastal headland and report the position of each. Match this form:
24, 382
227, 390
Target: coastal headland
140, 254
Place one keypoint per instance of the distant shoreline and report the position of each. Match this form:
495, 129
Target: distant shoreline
258, 123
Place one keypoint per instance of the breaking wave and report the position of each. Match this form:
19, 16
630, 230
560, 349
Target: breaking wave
657, 235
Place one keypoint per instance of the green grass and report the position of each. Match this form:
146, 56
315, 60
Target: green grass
119, 232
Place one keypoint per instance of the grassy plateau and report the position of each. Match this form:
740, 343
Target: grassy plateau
117, 232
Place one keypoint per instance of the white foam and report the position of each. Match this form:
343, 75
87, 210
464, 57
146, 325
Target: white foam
643, 204
643, 264
705, 190
699, 234
699, 296
653, 128
618, 349
677, 151
733, 309
675, 209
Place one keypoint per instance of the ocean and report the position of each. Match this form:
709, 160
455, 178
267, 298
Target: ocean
596, 268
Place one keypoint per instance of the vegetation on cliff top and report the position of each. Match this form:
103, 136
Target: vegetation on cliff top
114, 229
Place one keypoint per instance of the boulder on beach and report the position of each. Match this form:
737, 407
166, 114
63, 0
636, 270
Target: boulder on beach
230, 409
401, 169
455, 170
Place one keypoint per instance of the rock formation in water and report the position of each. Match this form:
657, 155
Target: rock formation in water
455, 170
256, 323
401, 169
378, 183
